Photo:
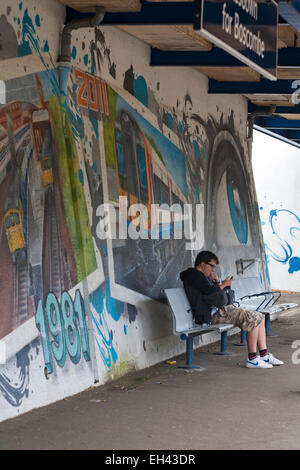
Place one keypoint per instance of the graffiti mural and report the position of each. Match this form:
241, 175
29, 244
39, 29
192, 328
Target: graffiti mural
283, 242
276, 179
41, 248
216, 173
153, 175
64, 329
88, 150
145, 168
14, 383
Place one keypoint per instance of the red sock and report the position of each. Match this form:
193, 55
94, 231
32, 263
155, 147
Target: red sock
263, 352
251, 356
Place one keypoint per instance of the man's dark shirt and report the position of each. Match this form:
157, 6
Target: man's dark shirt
196, 283
199, 281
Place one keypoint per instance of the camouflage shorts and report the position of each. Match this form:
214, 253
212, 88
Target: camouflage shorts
246, 320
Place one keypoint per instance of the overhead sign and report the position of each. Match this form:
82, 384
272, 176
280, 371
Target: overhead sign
247, 29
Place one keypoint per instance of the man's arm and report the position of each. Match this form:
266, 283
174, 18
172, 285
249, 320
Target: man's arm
200, 282
226, 283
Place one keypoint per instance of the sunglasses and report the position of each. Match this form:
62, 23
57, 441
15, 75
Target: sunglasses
211, 265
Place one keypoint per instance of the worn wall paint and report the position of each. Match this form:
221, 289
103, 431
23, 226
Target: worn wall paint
72, 139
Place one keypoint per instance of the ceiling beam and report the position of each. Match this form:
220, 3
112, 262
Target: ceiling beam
273, 123
152, 13
287, 57
280, 109
161, 12
109, 5
265, 87
215, 57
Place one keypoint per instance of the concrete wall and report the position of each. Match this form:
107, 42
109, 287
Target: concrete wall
78, 309
276, 172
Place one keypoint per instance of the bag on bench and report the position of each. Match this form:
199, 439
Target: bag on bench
201, 304
220, 298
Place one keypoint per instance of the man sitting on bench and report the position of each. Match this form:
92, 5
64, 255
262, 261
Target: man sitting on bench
201, 282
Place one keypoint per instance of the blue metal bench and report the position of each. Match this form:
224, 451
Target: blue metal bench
185, 327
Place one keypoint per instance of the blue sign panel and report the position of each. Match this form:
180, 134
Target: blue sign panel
246, 29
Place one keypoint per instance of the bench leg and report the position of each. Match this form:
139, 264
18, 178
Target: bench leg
190, 355
243, 341
267, 325
224, 351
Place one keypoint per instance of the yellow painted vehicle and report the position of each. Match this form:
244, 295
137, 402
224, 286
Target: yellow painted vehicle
15, 234
46, 168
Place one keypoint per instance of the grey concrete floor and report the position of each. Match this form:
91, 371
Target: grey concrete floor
225, 406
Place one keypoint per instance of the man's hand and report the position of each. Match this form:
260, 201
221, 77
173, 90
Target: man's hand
226, 283
213, 277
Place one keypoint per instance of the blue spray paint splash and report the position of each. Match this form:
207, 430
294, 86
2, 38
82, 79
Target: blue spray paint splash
30, 41
294, 264
281, 248
104, 305
141, 90
15, 391
238, 213
80, 176
114, 307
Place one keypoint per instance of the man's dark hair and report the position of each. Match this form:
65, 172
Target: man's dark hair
205, 256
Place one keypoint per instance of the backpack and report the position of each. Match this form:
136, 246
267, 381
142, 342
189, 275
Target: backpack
202, 304
220, 298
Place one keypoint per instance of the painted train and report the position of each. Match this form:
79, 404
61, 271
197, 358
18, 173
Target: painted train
14, 214
45, 158
41, 137
13, 221
13, 209
144, 179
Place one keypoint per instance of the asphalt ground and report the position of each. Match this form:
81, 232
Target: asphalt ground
223, 406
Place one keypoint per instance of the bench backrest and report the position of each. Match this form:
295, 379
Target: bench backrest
180, 308
247, 286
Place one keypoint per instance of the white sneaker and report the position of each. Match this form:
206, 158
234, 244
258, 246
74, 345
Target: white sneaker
270, 359
258, 363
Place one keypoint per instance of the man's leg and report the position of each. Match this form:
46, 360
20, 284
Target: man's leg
257, 337
261, 340
253, 323
262, 346
252, 339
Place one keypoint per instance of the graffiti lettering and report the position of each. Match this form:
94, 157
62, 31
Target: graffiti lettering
61, 321
80, 99
92, 92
